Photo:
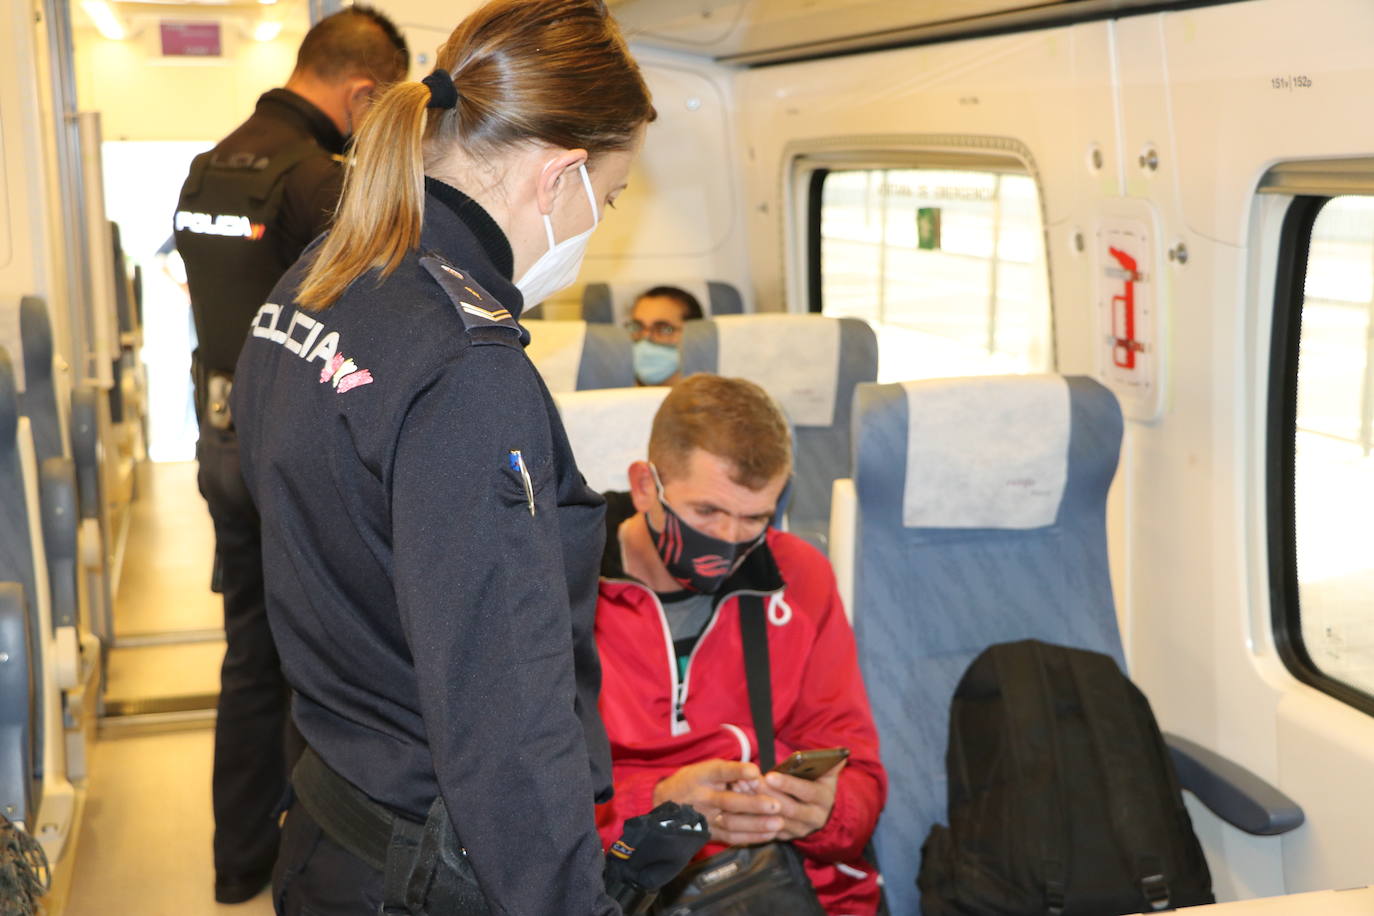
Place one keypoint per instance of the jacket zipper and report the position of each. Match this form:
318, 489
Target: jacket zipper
677, 724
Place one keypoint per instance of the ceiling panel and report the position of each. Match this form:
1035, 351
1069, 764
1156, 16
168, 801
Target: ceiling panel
723, 28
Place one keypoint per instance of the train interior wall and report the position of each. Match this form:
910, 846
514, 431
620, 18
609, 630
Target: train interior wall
719, 194
1188, 530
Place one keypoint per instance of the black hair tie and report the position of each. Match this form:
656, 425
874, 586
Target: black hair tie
442, 92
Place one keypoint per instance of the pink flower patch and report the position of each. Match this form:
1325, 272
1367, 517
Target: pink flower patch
331, 367
355, 380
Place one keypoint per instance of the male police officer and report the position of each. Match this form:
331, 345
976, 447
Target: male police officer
248, 209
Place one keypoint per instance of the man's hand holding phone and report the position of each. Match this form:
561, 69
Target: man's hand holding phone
805, 803
719, 790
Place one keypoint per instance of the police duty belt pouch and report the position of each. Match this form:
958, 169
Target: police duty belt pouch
767, 880
1062, 795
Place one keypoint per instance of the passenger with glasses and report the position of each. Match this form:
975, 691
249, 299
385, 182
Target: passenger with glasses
655, 326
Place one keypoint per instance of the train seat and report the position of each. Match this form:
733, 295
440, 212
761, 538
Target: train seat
34, 780
76, 561
608, 430
811, 365
20, 764
610, 303
45, 381
576, 355
977, 515
129, 396
45, 401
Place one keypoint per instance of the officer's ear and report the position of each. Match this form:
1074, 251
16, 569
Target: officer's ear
359, 94
562, 164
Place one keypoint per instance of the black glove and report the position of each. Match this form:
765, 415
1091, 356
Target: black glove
651, 852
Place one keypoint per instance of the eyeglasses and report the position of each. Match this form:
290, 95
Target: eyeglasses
658, 332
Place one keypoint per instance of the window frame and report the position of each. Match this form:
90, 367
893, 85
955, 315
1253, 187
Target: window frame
811, 167
1290, 281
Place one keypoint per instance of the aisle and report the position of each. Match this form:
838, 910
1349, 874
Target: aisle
144, 842
168, 636
145, 838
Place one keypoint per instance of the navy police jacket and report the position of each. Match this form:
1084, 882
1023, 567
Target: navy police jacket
430, 555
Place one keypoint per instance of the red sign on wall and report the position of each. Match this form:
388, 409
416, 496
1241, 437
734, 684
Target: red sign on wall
190, 39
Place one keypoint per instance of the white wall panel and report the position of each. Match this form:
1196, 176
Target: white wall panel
1214, 93
142, 95
1233, 120
28, 229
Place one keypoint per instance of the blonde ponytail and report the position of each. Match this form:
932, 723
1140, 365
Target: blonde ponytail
382, 205
555, 72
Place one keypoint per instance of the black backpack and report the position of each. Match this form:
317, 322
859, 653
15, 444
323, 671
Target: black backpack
1062, 795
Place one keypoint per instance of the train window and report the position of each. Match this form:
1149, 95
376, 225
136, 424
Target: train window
948, 266
1321, 464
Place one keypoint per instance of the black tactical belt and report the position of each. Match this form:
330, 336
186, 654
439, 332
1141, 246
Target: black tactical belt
351, 819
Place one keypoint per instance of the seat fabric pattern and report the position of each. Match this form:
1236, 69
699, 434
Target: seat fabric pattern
607, 359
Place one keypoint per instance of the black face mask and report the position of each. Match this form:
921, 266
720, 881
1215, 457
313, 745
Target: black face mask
695, 559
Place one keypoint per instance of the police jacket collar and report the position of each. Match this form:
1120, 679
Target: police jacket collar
286, 105
758, 573
479, 222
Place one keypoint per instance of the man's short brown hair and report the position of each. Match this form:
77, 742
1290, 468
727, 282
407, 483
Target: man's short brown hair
357, 42
728, 417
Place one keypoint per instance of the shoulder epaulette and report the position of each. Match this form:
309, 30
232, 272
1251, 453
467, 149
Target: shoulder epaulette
478, 308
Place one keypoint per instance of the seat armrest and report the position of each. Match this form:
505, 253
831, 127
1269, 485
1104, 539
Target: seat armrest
844, 521
1232, 792
85, 431
57, 494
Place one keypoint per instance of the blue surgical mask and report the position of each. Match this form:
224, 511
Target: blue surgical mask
655, 363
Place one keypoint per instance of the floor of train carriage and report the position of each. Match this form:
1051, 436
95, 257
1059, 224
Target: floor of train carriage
144, 841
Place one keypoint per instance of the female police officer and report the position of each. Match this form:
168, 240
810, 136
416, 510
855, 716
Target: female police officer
430, 548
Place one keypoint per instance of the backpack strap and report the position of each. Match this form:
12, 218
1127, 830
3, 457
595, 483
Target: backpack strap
753, 632
1120, 754
1035, 745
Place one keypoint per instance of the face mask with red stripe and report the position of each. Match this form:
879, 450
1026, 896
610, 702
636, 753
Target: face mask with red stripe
696, 560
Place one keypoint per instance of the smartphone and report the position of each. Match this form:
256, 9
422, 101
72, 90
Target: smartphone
811, 764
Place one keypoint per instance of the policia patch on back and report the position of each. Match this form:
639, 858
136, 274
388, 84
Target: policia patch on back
483, 316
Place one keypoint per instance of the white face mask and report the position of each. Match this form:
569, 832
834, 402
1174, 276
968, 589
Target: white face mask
556, 269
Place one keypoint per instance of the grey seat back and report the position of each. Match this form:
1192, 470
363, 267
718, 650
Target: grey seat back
125, 308
576, 355
610, 303
981, 519
811, 365
39, 401
57, 484
20, 759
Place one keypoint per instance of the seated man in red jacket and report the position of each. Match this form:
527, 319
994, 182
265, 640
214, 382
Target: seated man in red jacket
690, 538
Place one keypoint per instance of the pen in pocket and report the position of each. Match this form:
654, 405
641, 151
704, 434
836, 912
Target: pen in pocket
517, 463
